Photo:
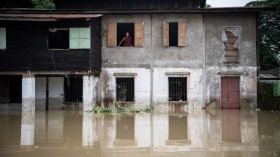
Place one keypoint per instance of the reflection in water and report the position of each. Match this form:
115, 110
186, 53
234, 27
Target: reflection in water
210, 133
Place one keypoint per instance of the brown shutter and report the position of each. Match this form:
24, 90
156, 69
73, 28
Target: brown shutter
182, 34
165, 33
111, 34
139, 34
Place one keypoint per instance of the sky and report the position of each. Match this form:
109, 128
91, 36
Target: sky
228, 3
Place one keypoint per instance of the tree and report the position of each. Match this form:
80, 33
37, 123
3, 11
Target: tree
43, 4
269, 34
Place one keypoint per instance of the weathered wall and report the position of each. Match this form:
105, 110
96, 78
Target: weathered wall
190, 56
246, 68
56, 92
40, 90
127, 56
156, 58
107, 84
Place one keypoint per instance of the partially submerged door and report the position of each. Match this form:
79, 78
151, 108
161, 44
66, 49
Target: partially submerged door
230, 96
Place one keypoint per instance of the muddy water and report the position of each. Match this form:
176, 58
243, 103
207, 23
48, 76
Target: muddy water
214, 133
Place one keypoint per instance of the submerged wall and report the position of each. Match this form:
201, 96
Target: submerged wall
246, 68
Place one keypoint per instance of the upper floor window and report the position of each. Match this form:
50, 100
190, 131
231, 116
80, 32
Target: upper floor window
125, 34
69, 38
231, 38
174, 33
2, 38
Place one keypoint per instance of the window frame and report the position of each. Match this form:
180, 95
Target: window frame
182, 33
69, 37
125, 77
3, 36
111, 37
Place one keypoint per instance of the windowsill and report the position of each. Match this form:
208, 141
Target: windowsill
178, 102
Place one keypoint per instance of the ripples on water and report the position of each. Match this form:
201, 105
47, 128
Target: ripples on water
201, 133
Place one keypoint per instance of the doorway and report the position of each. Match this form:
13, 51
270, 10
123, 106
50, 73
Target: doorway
230, 92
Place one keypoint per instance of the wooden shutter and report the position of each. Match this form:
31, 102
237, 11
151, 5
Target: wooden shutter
139, 34
165, 33
2, 38
111, 34
182, 33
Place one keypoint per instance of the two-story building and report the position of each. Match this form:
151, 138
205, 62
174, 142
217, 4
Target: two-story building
180, 54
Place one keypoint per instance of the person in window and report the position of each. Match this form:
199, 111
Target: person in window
127, 41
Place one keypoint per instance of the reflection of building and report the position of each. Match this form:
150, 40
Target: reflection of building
218, 133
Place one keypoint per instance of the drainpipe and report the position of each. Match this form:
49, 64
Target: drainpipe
204, 65
151, 64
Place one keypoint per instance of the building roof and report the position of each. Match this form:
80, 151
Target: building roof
52, 15
270, 74
44, 16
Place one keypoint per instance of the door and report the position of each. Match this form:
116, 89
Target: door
230, 95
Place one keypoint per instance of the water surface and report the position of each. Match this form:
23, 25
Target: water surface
201, 133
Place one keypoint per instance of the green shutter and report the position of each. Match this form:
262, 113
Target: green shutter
2, 38
79, 38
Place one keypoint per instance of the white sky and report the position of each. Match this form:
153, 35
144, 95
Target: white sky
228, 3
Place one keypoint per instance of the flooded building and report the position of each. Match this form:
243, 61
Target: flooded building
176, 54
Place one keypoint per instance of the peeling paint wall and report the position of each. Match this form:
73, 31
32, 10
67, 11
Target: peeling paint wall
215, 66
151, 62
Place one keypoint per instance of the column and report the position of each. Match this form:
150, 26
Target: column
89, 84
27, 130
28, 92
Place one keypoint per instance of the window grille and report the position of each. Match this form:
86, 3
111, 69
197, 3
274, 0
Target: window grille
177, 88
125, 89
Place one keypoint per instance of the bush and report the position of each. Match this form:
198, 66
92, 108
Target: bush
266, 99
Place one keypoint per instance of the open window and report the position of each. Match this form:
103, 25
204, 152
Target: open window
177, 88
69, 38
125, 89
117, 31
174, 33
2, 38
231, 38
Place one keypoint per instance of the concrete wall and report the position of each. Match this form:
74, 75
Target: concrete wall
107, 84
40, 90
246, 69
152, 61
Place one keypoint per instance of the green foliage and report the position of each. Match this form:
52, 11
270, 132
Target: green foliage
276, 88
269, 34
266, 98
117, 108
43, 4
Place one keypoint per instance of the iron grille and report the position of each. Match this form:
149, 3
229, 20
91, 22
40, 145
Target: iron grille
125, 89
177, 88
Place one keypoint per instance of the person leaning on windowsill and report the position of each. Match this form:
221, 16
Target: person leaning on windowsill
127, 41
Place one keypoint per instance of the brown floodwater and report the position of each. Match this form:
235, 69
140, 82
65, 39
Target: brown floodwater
197, 133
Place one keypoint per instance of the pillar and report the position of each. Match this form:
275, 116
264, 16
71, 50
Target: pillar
28, 92
89, 84
27, 130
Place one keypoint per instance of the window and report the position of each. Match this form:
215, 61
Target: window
125, 89
116, 32
79, 38
73, 38
177, 88
231, 39
174, 33
73, 89
58, 38
122, 29
2, 38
